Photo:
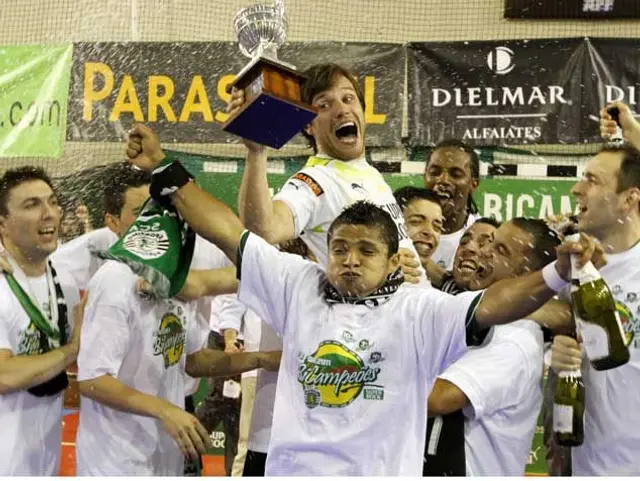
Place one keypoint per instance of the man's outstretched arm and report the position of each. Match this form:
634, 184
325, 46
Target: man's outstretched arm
206, 215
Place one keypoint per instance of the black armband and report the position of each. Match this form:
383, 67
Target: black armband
167, 178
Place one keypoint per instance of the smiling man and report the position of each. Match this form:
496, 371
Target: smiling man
423, 215
337, 175
39, 337
608, 197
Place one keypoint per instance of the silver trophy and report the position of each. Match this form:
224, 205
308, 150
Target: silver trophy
273, 112
261, 30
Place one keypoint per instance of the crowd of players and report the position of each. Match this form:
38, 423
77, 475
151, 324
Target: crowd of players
406, 337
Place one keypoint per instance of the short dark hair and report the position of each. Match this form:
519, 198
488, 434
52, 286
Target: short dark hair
320, 77
545, 240
370, 215
629, 175
12, 178
123, 178
407, 194
489, 220
474, 165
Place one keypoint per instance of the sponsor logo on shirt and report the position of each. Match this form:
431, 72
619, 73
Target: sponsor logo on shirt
146, 244
169, 339
628, 323
334, 376
313, 185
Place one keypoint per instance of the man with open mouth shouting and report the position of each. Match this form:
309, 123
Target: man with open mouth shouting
336, 176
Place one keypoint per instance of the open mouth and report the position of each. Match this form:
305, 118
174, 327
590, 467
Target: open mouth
445, 195
47, 231
347, 133
423, 247
468, 266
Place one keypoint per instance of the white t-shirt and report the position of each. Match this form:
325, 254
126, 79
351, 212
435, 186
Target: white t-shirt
612, 406
353, 379
324, 188
143, 344
31, 426
75, 256
503, 381
262, 418
446, 250
205, 256
229, 313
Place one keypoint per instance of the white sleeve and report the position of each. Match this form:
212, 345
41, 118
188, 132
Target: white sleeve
229, 312
197, 334
107, 311
496, 376
270, 280
7, 326
443, 327
208, 256
301, 193
75, 259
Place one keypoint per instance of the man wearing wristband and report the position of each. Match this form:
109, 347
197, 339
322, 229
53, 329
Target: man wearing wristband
608, 198
360, 351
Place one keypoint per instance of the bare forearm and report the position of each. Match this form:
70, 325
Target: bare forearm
111, 392
210, 218
512, 299
23, 372
445, 398
213, 282
254, 200
212, 363
555, 315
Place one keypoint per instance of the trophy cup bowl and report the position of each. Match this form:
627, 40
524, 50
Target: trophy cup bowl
273, 112
258, 28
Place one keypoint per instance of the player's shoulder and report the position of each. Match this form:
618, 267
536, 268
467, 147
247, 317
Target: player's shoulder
113, 275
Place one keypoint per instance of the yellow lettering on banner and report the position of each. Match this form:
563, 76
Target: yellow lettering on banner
127, 101
370, 117
90, 95
162, 101
222, 116
196, 101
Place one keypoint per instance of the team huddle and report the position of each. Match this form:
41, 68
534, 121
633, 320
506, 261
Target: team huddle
418, 324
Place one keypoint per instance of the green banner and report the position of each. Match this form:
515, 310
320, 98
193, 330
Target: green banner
34, 85
501, 198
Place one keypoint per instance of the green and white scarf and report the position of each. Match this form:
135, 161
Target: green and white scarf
158, 247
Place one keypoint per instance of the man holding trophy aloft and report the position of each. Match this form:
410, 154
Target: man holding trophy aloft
327, 104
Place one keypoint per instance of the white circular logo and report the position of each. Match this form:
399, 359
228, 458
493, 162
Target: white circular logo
500, 60
147, 245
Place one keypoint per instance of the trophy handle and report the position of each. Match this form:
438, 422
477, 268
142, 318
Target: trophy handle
279, 7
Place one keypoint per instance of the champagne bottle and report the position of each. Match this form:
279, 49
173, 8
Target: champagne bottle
568, 409
597, 319
616, 139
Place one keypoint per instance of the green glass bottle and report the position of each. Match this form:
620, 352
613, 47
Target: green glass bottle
568, 409
597, 319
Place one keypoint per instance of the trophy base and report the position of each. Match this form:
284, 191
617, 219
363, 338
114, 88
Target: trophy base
273, 112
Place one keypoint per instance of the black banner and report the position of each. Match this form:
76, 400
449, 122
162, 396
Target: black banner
588, 9
493, 93
179, 88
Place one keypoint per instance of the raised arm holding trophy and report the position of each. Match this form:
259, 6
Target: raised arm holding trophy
273, 112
